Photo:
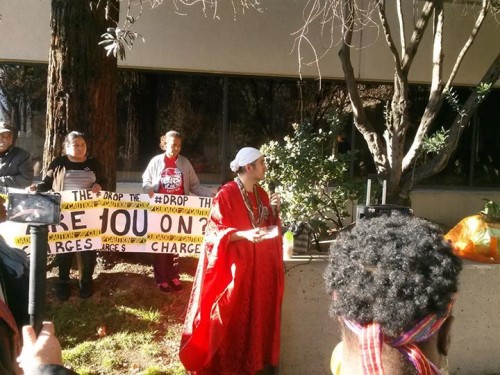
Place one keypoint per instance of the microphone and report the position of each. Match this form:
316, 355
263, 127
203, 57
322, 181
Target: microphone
272, 187
272, 190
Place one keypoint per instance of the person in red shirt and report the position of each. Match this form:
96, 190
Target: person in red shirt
232, 324
170, 173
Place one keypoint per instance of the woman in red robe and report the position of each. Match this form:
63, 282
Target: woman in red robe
232, 324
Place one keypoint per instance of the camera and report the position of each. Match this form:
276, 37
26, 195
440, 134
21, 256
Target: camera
35, 208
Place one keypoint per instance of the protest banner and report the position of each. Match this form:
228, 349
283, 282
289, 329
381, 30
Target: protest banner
78, 230
124, 222
177, 223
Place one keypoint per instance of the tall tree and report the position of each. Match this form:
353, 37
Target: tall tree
81, 85
22, 90
129, 152
393, 154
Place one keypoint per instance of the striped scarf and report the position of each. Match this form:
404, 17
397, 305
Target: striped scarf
372, 338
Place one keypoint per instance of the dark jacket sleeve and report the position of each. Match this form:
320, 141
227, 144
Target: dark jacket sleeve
48, 180
18, 169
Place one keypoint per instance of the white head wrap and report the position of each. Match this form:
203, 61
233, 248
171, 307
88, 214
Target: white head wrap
245, 156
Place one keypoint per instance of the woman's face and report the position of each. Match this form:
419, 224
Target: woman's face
76, 149
173, 146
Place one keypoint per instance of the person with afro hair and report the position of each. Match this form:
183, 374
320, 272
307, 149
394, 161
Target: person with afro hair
393, 280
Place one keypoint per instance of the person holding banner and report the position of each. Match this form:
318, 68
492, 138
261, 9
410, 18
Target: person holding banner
170, 173
73, 171
16, 168
232, 324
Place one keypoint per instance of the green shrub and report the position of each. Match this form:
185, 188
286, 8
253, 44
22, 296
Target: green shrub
311, 179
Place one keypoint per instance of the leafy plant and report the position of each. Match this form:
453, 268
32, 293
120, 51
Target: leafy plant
451, 96
491, 211
115, 40
483, 90
310, 178
436, 142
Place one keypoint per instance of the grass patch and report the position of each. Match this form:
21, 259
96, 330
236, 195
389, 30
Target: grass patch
127, 326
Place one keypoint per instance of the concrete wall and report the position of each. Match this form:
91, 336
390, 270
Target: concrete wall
256, 43
448, 207
309, 334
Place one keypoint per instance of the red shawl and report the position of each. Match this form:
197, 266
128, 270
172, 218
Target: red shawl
10, 339
232, 324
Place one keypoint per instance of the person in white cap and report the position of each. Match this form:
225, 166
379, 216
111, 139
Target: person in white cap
232, 324
16, 168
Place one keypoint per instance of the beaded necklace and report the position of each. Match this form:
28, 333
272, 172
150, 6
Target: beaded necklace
260, 208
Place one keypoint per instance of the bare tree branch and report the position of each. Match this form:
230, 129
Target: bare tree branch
213, 5
388, 148
375, 144
323, 12
388, 38
401, 27
396, 128
461, 121
417, 35
479, 22
435, 95
117, 38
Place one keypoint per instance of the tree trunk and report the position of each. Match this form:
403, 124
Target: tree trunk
81, 84
131, 149
377, 147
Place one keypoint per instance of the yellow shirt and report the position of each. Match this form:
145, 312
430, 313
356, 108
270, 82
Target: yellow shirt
336, 360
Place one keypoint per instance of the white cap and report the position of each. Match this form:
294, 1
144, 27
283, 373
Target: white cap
245, 156
5, 127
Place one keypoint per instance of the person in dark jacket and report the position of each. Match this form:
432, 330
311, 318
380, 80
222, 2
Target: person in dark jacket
16, 168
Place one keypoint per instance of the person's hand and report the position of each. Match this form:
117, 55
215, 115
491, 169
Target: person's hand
31, 188
44, 350
96, 188
151, 193
253, 235
275, 201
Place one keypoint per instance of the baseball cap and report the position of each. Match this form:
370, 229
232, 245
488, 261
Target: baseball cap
5, 127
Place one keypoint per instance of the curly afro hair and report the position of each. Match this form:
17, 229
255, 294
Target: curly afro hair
394, 269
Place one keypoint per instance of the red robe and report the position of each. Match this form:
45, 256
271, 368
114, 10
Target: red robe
232, 324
